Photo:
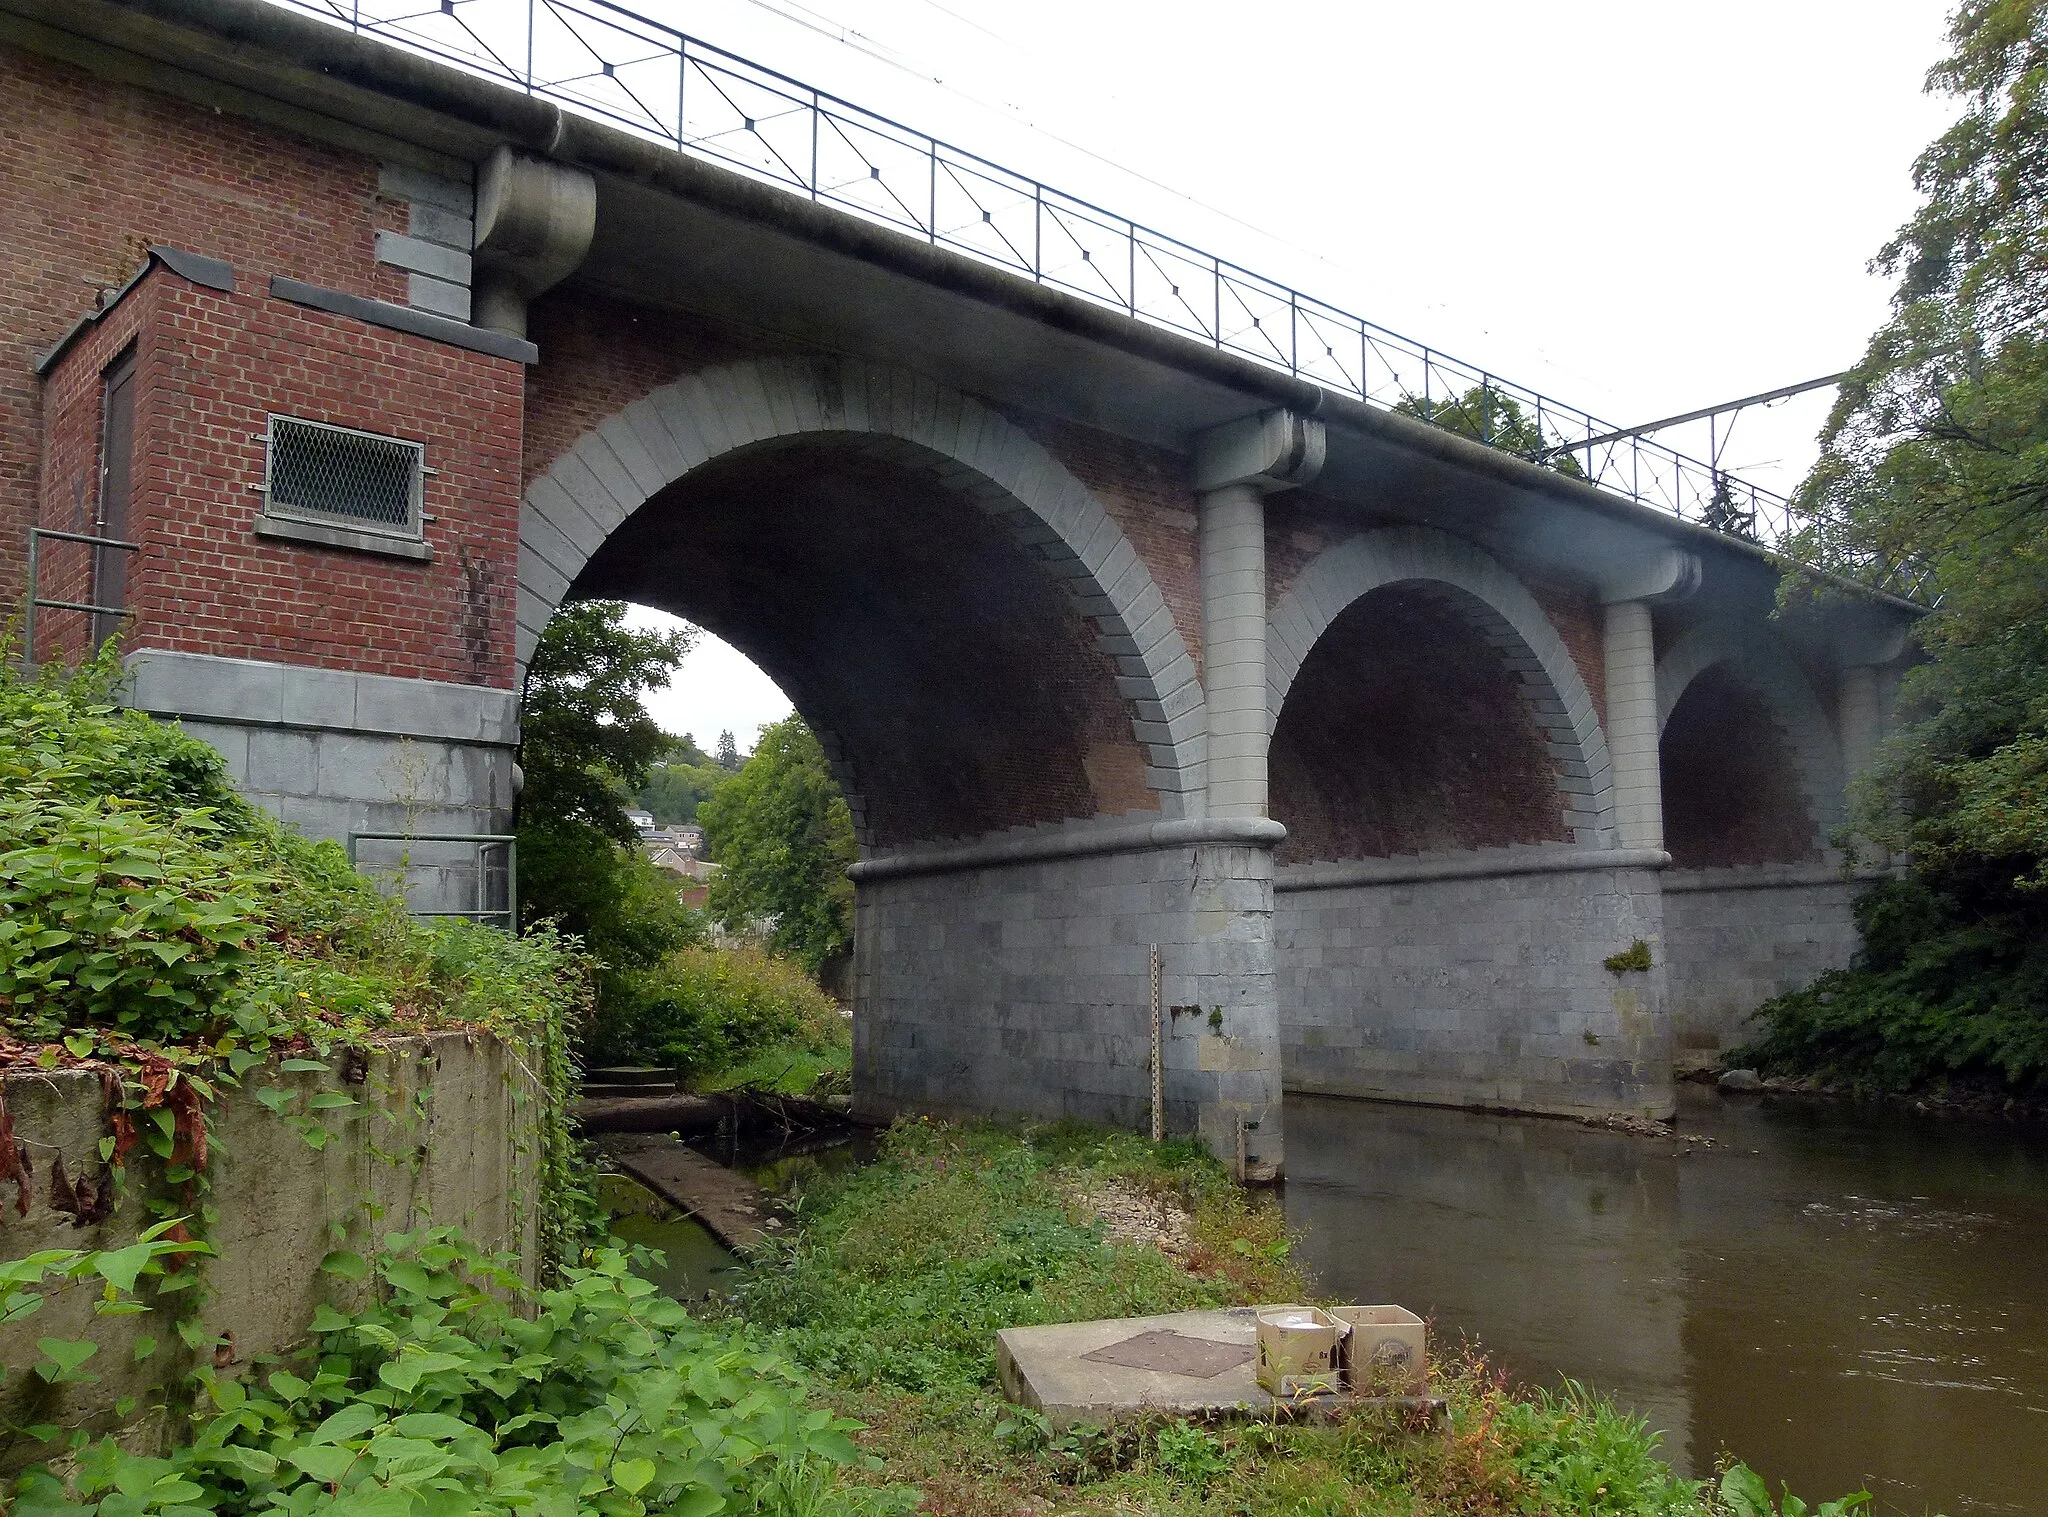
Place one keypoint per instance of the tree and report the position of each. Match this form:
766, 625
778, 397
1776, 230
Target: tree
783, 838
728, 752
1495, 418
674, 792
584, 733
1933, 476
586, 741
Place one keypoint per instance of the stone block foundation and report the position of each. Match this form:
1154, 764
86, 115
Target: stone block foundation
1476, 979
1736, 937
1012, 978
332, 751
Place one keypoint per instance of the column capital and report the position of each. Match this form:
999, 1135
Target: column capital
1667, 574
534, 222
1870, 641
1270, 450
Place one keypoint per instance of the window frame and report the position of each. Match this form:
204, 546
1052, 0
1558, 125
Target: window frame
414, 530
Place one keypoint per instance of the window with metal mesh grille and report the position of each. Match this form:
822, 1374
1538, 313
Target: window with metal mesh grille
339, 474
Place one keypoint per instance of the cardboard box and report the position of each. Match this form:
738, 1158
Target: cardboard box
1386, 1353
1300, 1351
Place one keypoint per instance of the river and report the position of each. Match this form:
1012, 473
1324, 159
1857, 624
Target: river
1845, 1297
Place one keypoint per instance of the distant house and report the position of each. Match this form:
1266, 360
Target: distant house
643, 821
693, 874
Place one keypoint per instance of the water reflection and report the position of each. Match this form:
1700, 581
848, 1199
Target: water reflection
1842, 1298
694, 1263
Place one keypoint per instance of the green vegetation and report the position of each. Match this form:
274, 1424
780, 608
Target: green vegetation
778, 829
898, 1274
462, 1391
1487, 415
783, 838
157, 929
704, 1010
680, 781
814, 1068
1934, 472
1634, 959
586, 740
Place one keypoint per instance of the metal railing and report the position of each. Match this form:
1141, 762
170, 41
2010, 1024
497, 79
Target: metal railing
507, 915
612, 64
38, 601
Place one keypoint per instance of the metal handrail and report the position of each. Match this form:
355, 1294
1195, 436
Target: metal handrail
610, 63
36, 535
485, 841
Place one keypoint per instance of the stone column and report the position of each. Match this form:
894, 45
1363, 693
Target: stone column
1233, 549
1235, 466
1858, 718
1866, 644
1629, 651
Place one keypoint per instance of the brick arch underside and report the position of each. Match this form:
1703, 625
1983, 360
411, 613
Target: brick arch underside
973, 639
1750, 767
1425, 704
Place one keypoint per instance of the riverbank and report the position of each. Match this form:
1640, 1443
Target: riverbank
893, 1278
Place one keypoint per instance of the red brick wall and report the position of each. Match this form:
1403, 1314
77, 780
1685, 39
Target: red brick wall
211, 367
1146, 490
599, 355
1403, 733
1731, 782
91, 173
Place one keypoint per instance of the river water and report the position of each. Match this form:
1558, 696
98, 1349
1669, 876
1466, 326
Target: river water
1845, 1298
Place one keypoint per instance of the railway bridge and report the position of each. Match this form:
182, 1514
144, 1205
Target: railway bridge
1159, 621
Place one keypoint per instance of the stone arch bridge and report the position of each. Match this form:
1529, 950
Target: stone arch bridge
1384, 739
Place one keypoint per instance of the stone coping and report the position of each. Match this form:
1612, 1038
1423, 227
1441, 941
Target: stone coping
252, 692
1076, 842
1480, 863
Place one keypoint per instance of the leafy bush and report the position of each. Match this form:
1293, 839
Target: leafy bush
151, 918
704, 1009
1577, 1453
463, 1391
1942, 990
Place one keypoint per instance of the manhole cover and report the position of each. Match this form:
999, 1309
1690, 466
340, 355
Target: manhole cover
1174, 1354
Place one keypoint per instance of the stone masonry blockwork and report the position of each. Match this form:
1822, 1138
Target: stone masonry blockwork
1737, 937
1484, 991
1023, 988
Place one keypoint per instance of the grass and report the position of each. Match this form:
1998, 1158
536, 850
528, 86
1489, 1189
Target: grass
791, 1068
891, 1287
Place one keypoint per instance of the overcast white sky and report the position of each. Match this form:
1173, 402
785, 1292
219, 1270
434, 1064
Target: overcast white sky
1636, 206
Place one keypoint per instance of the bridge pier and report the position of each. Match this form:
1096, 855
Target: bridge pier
1013, 977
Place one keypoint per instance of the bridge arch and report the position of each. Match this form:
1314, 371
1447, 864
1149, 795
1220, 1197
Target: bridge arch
777, 413
1797, 726
1496, 607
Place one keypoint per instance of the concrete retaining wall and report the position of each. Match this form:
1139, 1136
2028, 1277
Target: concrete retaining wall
457, 1150
1021, 985
1737, 937
1475, 987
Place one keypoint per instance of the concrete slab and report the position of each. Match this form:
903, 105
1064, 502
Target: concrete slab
1071, 1371
726, 1202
